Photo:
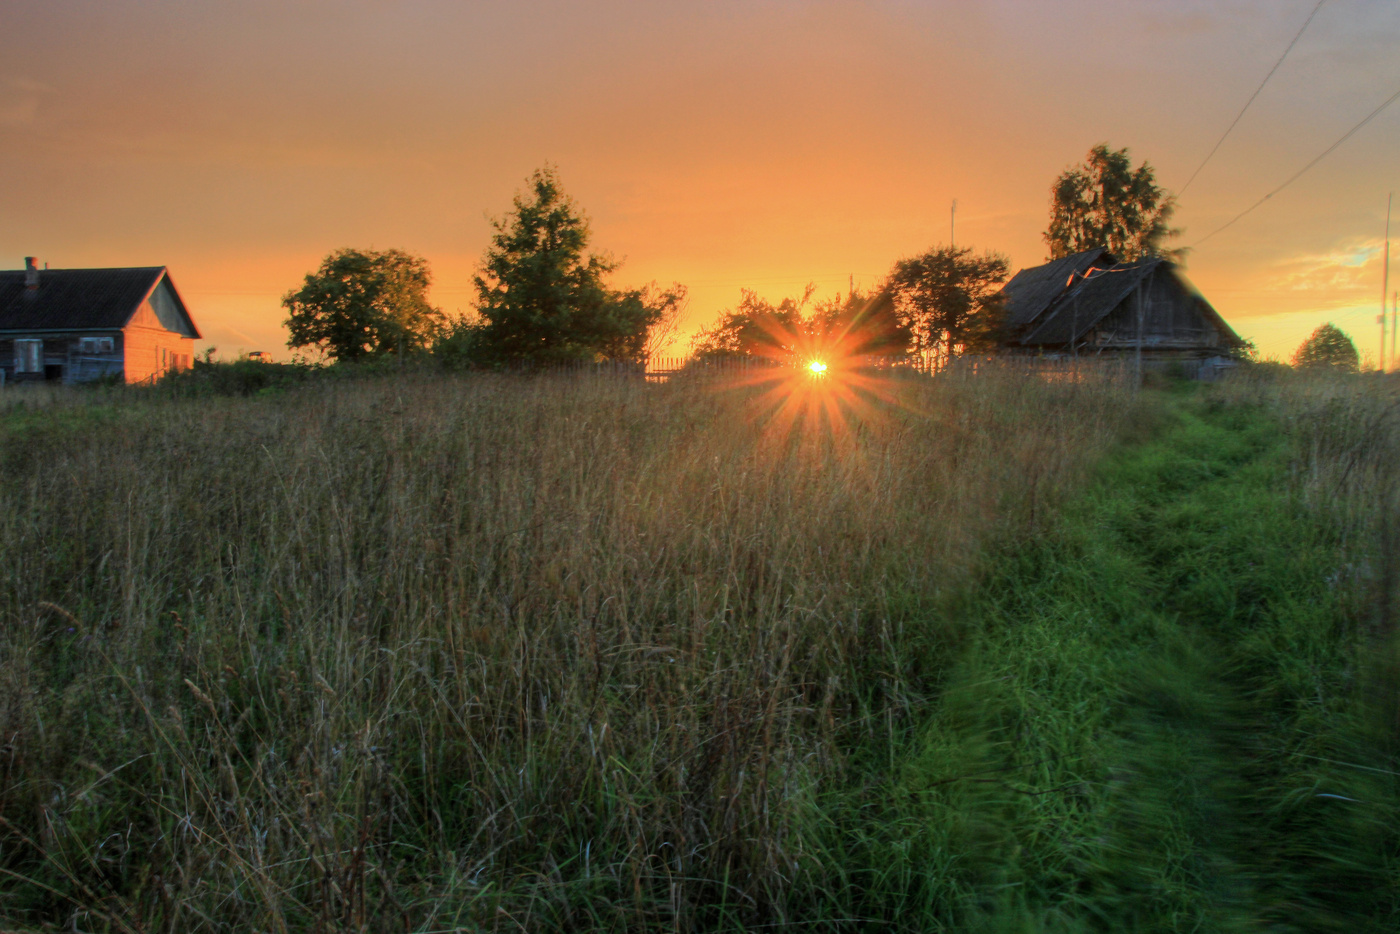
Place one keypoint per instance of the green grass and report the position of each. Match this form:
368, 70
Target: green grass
498, 653
424, 650
1149, 730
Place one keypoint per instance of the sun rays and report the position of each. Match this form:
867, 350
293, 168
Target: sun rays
821, 382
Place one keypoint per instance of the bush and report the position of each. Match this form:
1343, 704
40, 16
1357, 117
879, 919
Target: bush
236, 378
1329, 348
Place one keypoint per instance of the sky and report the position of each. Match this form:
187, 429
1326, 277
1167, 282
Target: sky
763, 144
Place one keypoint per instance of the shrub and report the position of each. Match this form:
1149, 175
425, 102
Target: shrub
1329, 348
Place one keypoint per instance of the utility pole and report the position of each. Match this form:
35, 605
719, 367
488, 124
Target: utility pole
953, 223
1385, 287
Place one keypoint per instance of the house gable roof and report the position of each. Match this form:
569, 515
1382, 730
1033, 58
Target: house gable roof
1092, 297
1089, 301
1031, 291
84, 299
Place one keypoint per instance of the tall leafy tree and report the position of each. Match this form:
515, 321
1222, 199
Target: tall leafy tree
362, 303
542, 297
1328, 348
1105, 202
949, 298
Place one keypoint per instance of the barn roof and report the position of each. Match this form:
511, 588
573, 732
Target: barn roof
1033, 290
80, 299
1091, 296
1091, 299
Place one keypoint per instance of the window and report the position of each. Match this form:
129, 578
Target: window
95, 345
29, 356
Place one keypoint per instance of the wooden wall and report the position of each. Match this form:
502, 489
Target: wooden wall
1172, 319
150, 352
63, 351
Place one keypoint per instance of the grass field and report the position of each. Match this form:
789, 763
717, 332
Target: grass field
432, 653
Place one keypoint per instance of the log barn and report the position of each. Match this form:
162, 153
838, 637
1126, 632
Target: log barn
78, 325
1091, 304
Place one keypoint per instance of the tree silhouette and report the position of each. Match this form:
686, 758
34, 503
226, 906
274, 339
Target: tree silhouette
1105, 202
362, 303
949, 296
756, 328
1329, 348
542, 297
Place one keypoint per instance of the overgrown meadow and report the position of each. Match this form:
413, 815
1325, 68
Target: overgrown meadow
478, 652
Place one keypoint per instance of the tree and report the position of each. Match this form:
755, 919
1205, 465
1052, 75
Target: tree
1329, 348
542, 298
834, 330
362, 303
643, 319
949, 297
756, 328
1105, 202
861, 325
661, 334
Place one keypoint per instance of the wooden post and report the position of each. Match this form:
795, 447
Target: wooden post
1137, 294
1074, 328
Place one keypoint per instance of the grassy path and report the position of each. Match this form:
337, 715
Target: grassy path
1149, 733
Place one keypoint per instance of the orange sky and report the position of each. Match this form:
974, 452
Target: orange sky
766, 143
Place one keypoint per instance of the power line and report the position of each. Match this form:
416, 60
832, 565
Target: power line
1306, 22
1296, 175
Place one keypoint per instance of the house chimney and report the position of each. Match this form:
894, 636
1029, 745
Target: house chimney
31, 273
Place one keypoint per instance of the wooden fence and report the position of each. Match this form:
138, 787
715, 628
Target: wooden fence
659, 369
1116, 369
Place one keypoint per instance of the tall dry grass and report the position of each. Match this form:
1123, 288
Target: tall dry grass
1347, 434
483, 652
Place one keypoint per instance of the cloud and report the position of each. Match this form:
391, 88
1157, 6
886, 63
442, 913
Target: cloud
1345, 268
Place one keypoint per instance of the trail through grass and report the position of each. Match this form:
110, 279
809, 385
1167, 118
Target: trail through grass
1161, 726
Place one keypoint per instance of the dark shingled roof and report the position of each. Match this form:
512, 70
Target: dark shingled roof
1032, 290
1088, 303
72, 299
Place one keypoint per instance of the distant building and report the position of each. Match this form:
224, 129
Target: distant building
1089, 304
77, 325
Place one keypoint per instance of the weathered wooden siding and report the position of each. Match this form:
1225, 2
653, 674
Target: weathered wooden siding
140, 352
1172, 319
86, 367
64, 351
150, 352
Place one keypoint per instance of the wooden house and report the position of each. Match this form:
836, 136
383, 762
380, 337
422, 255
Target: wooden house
1091, 304
77, 325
